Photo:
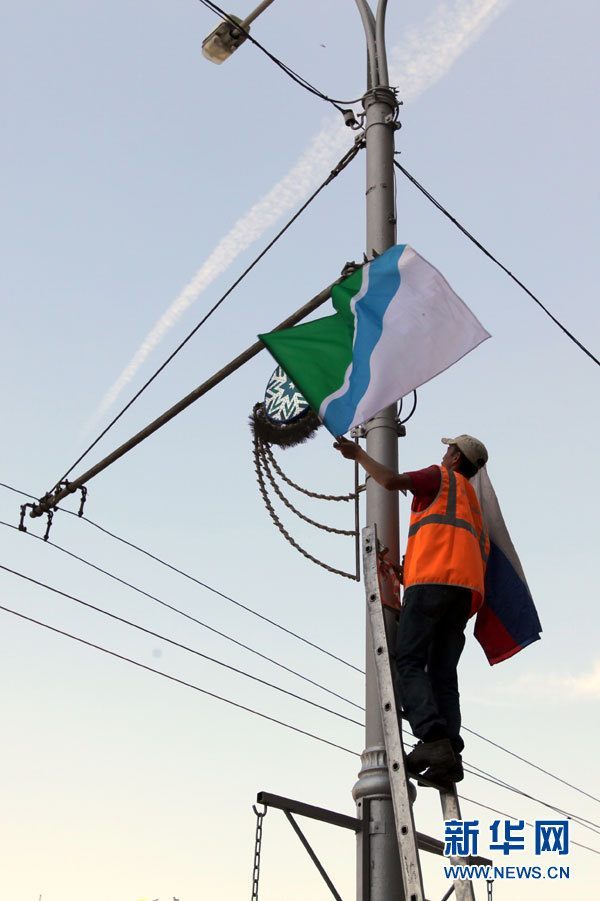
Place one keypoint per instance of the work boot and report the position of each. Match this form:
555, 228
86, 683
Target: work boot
427, 754
445, 776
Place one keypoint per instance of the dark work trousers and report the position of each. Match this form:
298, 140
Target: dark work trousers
429, 641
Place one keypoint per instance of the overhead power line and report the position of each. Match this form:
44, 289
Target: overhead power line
228, 701
299, 79
301, 638
469, 767
510, 816
188, 616
177, 644
494, 780
171, 678
191, 578
480, 773
57, 493
495, 260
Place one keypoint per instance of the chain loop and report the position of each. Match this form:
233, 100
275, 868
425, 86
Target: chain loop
320, 497
266, 465
257, 849
258, 466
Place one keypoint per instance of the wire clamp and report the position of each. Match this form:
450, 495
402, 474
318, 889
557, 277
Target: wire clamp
22, 526
84, 492
48, 525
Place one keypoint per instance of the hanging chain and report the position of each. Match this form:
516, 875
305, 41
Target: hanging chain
320, 497
490, 888
258, 466
257, 849
266, 465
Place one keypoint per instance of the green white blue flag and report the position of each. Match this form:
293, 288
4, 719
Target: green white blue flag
397, 324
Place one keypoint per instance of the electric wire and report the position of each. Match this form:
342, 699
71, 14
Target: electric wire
517, 819
220, 594
474, 770
344, 161
301, 638
494, 259
183, 613
178, 644
469, 767
530, 763
228, 701
494, 780
151, 669
192, 578
295, 76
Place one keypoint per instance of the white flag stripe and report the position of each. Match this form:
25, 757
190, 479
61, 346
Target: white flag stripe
426, 329
494, 520
424, 56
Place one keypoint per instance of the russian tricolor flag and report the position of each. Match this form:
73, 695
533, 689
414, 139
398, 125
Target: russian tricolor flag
508, 621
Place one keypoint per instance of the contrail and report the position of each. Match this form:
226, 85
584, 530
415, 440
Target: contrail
425, 55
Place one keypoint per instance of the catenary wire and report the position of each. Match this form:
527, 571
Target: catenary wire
177, 644
191, 578
469, 767
529, 762
293, 634
151, 669
477, 771
299, 79
494, 259
217, 697
183, 613
345, 160
230, 702
494, 780
221, 594
517, 819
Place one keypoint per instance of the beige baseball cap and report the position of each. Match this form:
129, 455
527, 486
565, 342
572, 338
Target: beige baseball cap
475, 452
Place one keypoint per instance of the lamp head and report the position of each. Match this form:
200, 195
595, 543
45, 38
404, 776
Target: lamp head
221, 43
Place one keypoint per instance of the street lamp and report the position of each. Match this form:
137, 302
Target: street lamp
379, 870
229, 34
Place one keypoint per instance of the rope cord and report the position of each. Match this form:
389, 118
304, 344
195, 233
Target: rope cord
345, 161
267, 500
188, 616
495, 260
288, 504
171, 678
176, 644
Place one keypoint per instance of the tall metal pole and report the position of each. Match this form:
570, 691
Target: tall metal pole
378, 866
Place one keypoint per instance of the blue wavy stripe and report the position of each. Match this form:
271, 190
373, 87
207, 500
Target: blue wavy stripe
384, 281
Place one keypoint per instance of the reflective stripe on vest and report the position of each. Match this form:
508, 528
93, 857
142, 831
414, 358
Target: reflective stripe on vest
439, 555
450, 518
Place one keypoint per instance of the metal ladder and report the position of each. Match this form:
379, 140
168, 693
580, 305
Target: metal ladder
399, 783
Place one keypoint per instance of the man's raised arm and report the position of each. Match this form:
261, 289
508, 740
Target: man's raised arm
393, 481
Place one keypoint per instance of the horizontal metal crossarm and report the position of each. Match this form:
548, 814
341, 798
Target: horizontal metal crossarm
309, 810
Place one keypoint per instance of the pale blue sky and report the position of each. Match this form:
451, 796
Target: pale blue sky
126, 158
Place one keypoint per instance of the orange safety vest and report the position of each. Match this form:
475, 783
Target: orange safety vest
448, 542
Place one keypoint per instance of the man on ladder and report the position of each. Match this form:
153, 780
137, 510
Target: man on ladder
443, 577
